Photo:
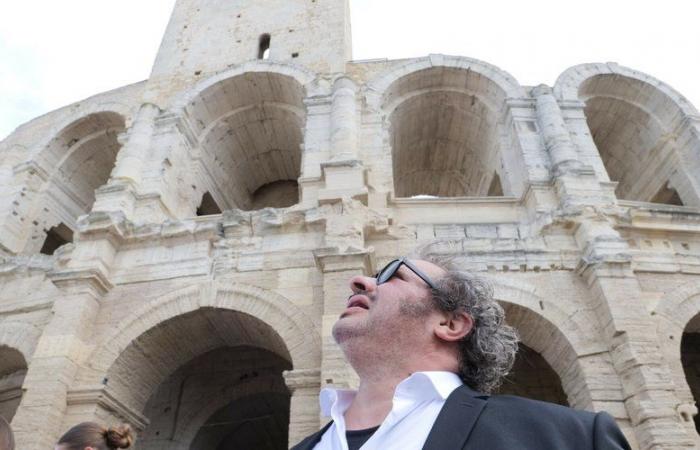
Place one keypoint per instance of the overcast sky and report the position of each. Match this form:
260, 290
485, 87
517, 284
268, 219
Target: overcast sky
53, 53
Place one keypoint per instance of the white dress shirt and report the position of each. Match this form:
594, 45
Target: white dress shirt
416, 404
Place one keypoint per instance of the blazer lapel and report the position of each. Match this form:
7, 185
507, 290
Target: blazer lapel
310, 442
456, 419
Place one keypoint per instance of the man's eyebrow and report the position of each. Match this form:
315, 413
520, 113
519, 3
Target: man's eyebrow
405, 269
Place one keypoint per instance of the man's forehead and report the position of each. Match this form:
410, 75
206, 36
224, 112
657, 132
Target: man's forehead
430, 269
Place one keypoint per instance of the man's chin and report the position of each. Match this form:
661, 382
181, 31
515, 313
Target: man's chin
346, 328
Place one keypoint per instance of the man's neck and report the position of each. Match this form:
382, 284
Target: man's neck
379, 376
372, 403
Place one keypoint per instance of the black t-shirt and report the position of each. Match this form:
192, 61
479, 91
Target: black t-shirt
357, 438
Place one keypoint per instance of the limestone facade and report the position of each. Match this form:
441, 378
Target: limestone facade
174, 252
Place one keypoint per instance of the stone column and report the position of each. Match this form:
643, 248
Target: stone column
304, 385
119, 194
556, 136
343, 175
344, 120
138, 143
64, 344
576, 184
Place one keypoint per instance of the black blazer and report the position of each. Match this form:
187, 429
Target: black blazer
473, 421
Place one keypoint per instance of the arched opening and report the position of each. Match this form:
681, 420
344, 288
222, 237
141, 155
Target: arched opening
445, 133
255, 422
56, 237
264, 46
13, 369
632, 124
207, 378
79, 160
250, 130
690, 358
546, 367
208, 206
532, 377
278, 194
667, 195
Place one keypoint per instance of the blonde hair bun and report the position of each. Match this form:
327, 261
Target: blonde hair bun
119, 437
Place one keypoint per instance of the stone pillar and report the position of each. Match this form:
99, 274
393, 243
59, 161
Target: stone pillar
344, 120
556, 136
629, 332
64, 344
138, 143
304, 385
343, 175
575, 183
20, 208
119, 194
337, 267
169, 171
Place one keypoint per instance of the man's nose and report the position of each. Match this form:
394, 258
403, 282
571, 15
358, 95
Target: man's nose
361, 283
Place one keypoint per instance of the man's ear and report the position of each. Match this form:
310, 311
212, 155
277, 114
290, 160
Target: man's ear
454, 326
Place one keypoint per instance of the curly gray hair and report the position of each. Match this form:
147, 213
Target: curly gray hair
488, 352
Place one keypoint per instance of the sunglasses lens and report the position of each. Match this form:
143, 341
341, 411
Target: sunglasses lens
387, 272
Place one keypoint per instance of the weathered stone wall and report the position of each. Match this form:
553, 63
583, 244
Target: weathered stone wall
177, 323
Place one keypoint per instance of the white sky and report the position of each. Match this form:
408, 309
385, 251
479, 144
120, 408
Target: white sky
53, 52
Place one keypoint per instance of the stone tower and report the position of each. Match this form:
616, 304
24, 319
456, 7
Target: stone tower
174, 252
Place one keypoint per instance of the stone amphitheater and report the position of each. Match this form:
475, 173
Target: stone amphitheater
174, 252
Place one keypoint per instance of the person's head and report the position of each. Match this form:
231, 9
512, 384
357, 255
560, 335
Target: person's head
425, 313
7, 439
92, 436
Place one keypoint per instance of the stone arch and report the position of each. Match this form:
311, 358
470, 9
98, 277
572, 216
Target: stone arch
568, 84
63, 176
563, 337
642, 129
40, 152
678, 315
505, 82
302, 76
291, 324
247, 125
17, 343
446, 126
172, 336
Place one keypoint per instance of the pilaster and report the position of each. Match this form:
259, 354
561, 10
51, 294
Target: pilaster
343, 175
120, 193
337, 268
62, 348
304, 386
630, 335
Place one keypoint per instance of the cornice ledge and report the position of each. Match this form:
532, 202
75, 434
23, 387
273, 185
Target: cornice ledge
302, 379
93, 278
334, 259
100, 395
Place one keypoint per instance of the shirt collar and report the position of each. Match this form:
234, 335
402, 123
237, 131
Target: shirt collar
434, 385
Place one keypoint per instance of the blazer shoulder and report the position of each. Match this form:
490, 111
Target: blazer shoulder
547, 425
539, 417
542, 409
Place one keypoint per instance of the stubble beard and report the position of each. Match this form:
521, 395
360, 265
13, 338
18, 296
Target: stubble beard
369, 341
347, 328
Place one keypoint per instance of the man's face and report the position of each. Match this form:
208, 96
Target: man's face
392, 312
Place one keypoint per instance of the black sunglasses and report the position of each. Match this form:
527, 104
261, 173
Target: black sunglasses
390, 270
